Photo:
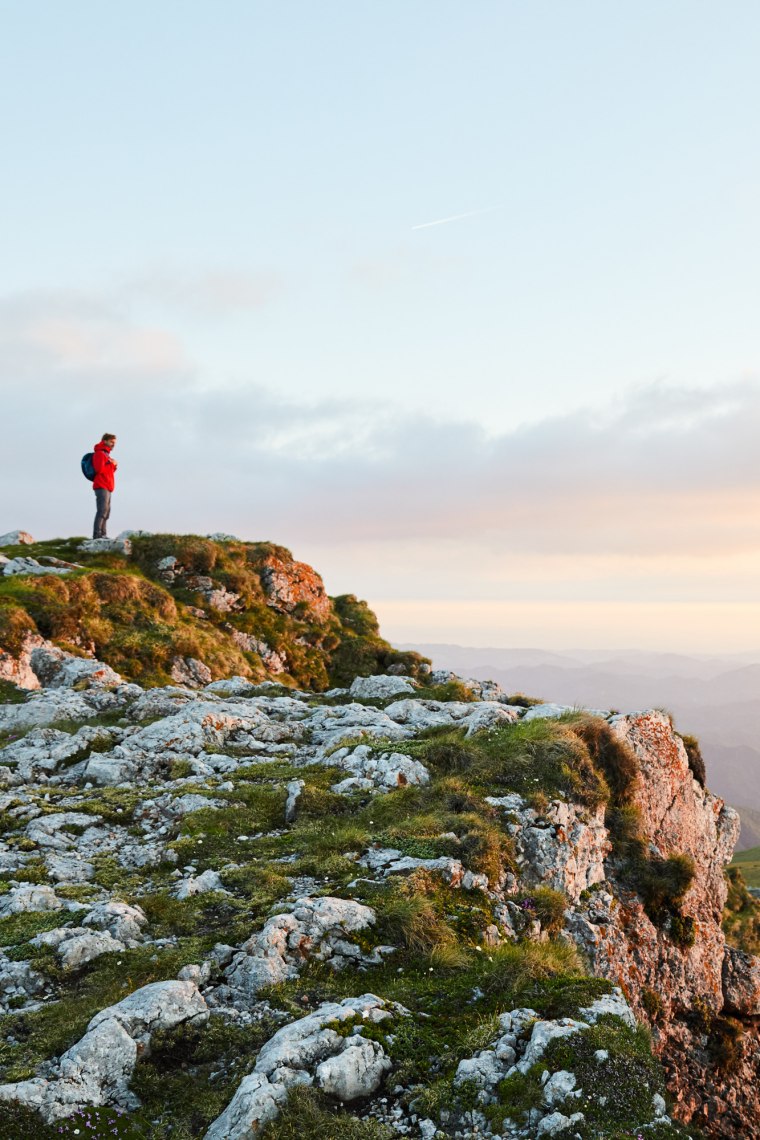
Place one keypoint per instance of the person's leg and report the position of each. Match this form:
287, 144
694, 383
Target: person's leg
102, 499
106, 513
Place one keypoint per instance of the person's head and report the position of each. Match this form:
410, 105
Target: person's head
108, 439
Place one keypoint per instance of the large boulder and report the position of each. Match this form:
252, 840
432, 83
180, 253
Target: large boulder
16, 538
290, 584
385, 770
314, 928
57, 669
12, 567
309, 1052
98, 1068
380, 687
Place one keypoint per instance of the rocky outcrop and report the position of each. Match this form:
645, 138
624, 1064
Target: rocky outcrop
279, 620
380, 688
191, 672
16, 538
684, 979
17, 667
314, 928
97, 1069
563, 847
523, 1040
384, 770
273, 661
309, 1052
289, 585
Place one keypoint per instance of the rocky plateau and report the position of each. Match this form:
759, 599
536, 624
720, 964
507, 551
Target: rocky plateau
391, 902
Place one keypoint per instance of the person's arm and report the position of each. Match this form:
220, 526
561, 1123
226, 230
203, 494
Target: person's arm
99, 460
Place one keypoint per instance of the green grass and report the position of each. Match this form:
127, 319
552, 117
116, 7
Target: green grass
17, 928
741, 915
95, 1123
521, 757
748, 863
10, 694
309, 1113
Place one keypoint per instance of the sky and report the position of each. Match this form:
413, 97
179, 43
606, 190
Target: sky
457, 302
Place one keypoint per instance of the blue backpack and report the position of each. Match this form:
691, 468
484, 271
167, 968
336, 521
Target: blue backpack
87, 468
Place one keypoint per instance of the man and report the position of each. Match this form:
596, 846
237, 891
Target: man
105, 468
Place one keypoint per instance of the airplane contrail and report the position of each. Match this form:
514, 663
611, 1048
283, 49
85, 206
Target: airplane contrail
453, 218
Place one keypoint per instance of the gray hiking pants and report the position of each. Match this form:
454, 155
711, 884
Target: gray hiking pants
103, 503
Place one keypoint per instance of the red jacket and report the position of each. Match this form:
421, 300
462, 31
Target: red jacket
104, 467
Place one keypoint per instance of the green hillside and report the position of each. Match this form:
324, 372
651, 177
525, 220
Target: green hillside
748, 863
237, 607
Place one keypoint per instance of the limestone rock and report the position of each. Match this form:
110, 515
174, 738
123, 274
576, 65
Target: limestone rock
257, 1101
122, 921
294, 789
83, 948
354, 1073
120, 545
26, 566
19, 984
159, 1005
290, 584
273, 661
57, 669
231, 687
43, 750
69, 868
191, 672
380, 687
556, 1123
96, 1070
198, 885
16, 538
303, 1052
741, 983
559, 1086
18, 669
565, 847
385, 771
313, 928
25, 898
424, 714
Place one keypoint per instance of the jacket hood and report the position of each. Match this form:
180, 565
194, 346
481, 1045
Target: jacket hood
102, 446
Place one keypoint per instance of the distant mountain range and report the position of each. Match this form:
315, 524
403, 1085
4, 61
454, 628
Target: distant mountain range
714, 698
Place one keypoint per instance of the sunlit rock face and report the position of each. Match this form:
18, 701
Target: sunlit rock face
288, 585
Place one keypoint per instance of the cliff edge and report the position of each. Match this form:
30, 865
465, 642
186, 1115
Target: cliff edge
403, 905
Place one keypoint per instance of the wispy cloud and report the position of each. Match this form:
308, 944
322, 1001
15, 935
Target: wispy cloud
454, 218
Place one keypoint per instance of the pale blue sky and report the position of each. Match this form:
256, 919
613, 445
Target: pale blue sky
219, 198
